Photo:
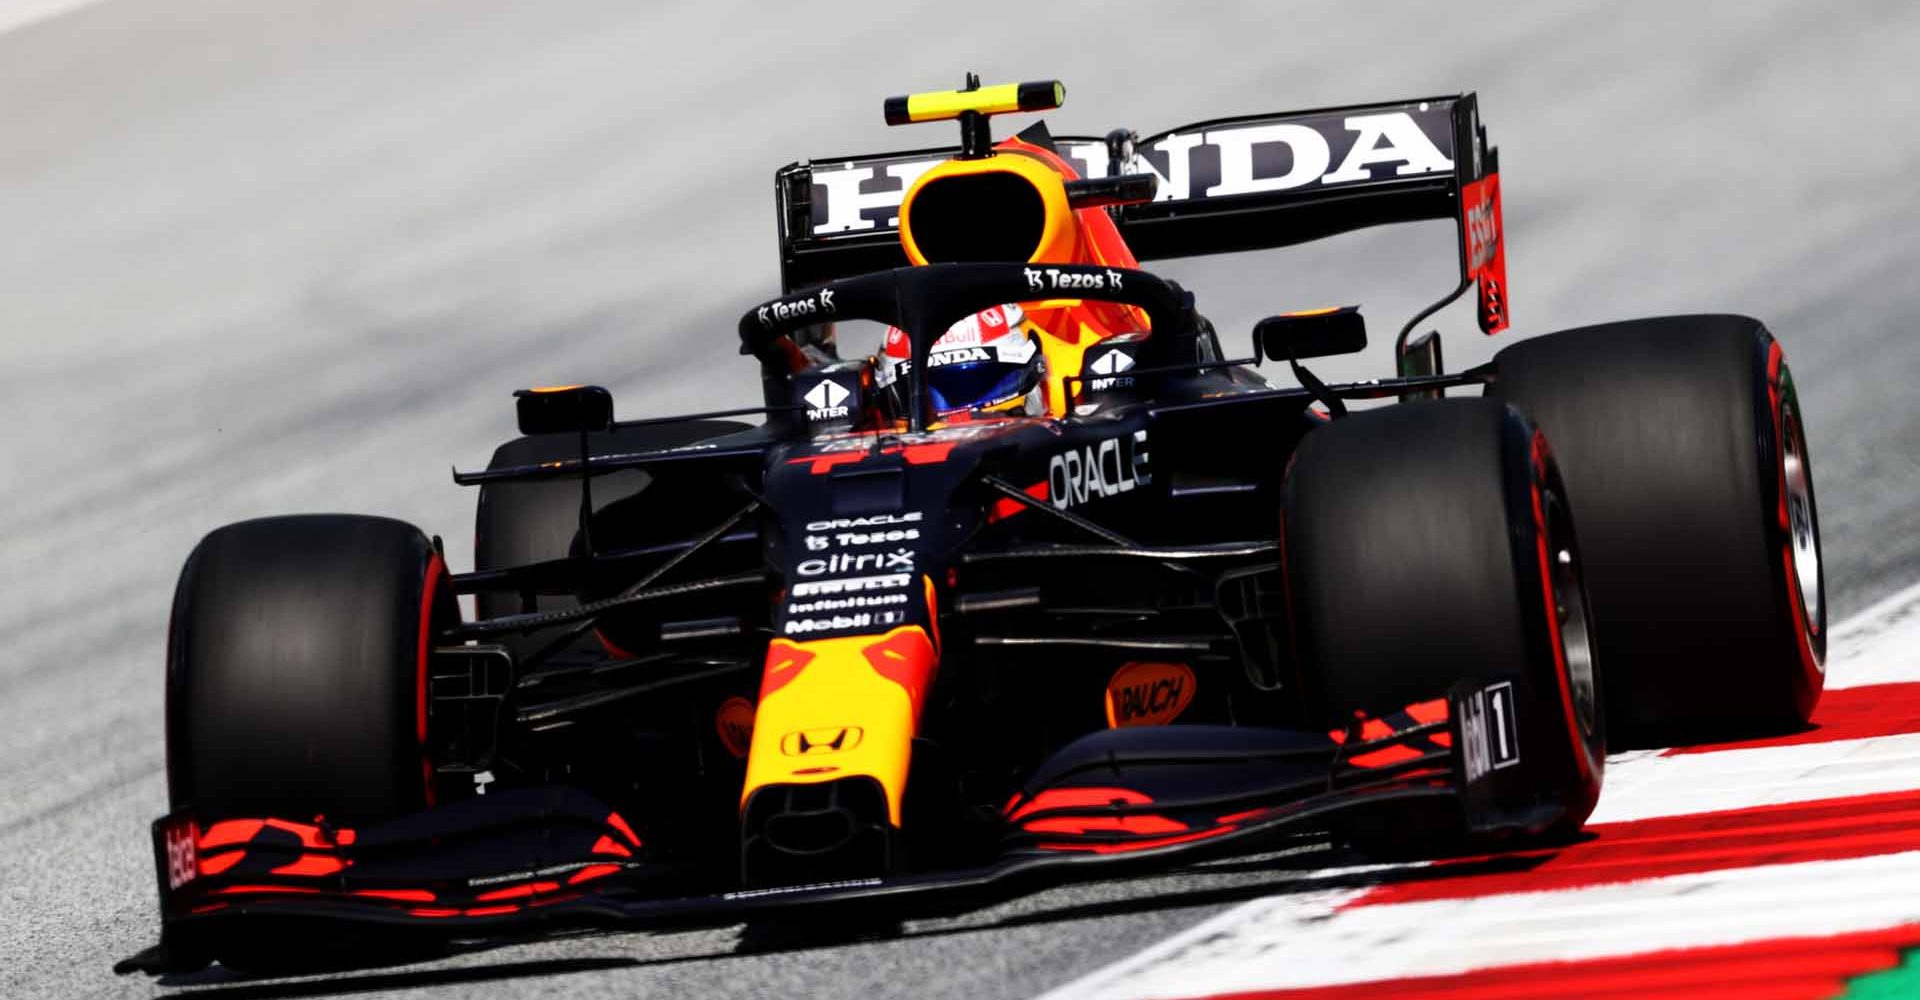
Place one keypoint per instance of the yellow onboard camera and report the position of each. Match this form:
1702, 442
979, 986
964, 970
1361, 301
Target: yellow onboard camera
973, 105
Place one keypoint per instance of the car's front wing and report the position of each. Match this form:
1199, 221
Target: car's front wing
534, 862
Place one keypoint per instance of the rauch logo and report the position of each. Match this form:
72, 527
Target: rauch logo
1149, 694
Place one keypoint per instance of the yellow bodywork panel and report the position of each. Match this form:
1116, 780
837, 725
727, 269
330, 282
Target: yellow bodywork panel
840, 708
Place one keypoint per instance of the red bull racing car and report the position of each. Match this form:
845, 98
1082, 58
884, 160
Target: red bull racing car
1054, 584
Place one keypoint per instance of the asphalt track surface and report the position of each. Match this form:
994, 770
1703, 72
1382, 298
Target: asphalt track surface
271, 257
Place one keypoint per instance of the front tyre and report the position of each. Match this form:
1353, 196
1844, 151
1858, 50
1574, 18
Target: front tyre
296, 670
1429, 543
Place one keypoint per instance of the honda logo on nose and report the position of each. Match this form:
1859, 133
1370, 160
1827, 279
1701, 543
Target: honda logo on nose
817, 742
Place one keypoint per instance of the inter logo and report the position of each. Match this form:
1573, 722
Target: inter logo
827, 400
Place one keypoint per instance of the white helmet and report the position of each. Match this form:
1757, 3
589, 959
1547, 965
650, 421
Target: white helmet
988, 361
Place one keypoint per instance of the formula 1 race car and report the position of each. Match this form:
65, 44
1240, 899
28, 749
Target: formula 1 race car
1048, 587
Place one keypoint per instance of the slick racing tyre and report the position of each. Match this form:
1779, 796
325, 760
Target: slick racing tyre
527, 522
296, 670
1683, 449
1429, 543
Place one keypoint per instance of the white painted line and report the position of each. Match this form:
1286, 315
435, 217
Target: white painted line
16, 14
1644, 785
1283, 942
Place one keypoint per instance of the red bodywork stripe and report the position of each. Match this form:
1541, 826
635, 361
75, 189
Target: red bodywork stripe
823, 464
608, 845
230, 832
257, 890
591, 872
619, 823
516, 892
1094, 798
780, 672
1422, 713
312, 864
929, 453
905, 657
397, 895
1006, 507
236, 832
220, 862
1079, 798
1384, 757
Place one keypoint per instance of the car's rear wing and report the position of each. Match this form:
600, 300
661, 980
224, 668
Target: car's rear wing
1246, 183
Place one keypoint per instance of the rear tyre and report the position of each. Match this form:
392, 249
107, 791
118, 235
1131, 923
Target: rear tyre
296, 669
1681, 439
1429, 543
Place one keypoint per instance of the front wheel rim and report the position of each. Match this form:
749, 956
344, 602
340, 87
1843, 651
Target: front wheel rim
1803, 532
1570, 609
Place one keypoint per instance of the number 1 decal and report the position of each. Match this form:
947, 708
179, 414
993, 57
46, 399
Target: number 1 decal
1506, 741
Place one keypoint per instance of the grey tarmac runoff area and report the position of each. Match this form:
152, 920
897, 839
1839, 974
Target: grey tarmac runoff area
273, 256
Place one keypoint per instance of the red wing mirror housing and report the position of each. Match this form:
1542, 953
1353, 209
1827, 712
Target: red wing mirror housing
1313, 333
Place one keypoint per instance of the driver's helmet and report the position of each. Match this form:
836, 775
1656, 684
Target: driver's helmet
988, 362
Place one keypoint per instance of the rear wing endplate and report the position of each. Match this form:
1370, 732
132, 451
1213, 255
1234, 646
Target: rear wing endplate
1247, 183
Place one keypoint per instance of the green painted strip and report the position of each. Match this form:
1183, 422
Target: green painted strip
1902, 980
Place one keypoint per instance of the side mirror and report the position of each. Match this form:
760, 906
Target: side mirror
1314, 333
563, 408
1121, 189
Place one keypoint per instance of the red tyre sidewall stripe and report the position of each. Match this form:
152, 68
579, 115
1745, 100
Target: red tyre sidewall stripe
436, 568
1582, 758
1814, 676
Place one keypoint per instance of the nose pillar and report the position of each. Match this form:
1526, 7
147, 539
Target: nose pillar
832, 744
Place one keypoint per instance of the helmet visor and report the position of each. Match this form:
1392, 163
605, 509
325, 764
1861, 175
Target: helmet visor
982, 383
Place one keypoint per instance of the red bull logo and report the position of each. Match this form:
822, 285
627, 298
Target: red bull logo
734, 723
